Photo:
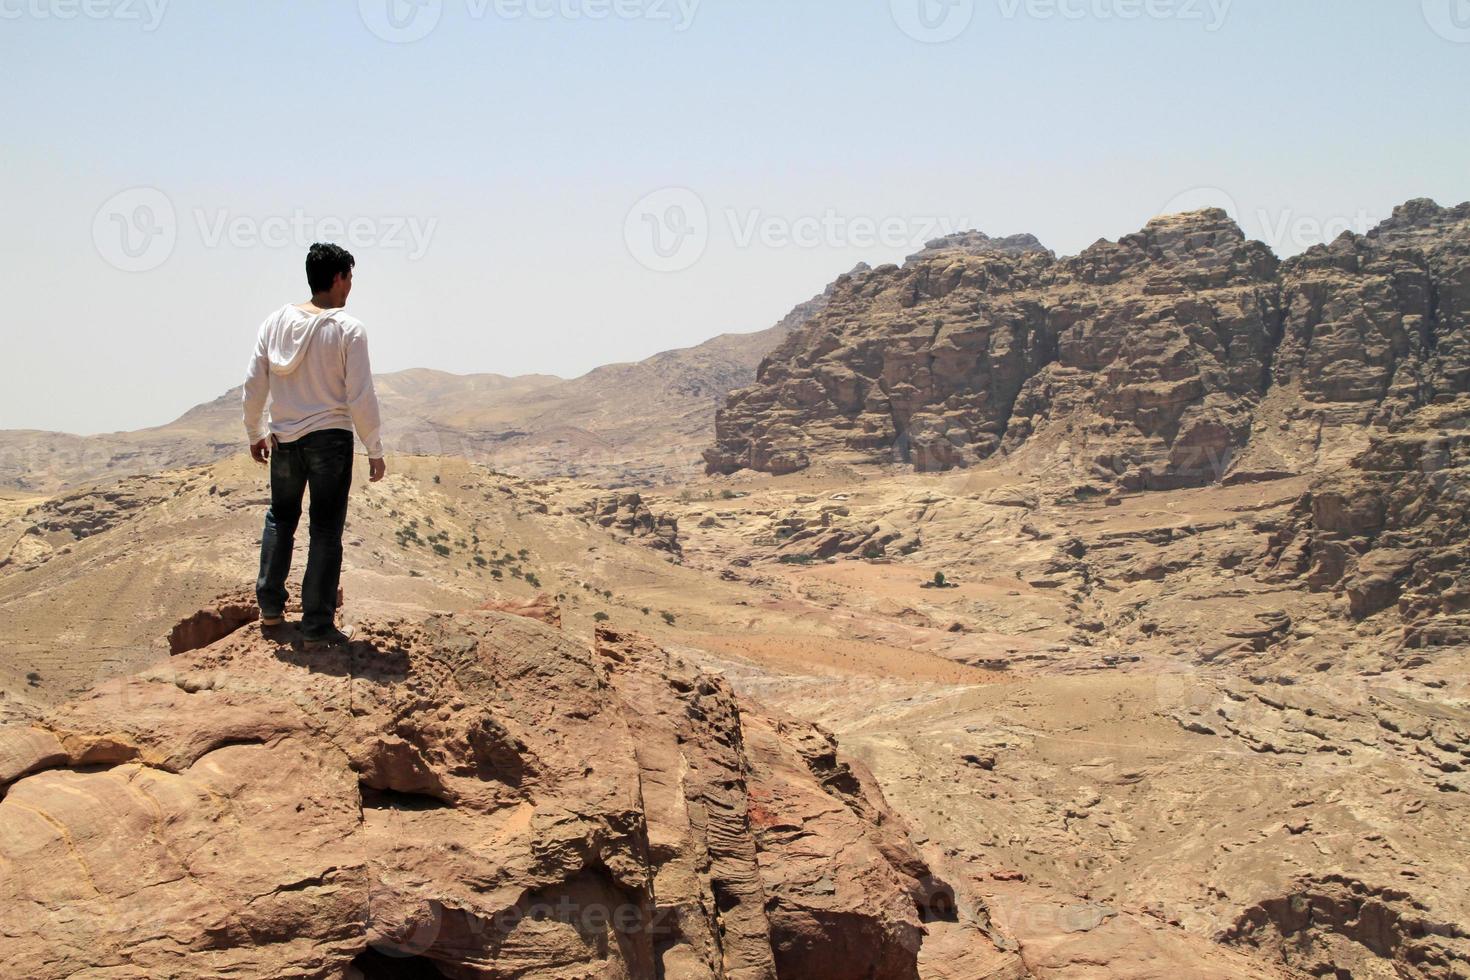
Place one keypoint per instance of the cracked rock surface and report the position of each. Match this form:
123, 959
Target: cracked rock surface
476, 792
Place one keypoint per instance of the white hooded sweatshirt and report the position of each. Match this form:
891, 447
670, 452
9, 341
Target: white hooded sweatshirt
315, 370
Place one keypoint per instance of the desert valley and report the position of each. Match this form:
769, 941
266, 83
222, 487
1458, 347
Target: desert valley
995, 615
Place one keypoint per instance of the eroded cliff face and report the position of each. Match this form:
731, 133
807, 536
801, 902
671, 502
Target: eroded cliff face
1175, 357
1374, 373
1389, 531
474, 794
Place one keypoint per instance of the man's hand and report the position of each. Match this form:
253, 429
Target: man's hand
261, 451
377, 468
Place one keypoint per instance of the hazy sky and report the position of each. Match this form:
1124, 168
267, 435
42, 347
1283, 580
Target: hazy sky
550, 185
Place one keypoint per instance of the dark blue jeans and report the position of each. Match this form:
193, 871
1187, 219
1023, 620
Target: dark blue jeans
321, 460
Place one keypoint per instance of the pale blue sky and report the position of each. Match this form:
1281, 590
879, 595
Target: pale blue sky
492, 165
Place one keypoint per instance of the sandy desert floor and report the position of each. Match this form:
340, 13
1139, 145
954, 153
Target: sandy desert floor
1131, 752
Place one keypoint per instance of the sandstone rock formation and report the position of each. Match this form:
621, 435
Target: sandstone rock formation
1390, 532
626, 514
224, 616
1335, 925
543, 608
1140, 364
474, 794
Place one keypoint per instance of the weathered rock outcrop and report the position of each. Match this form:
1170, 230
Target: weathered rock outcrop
1334, 925
848, 891
57, 524
474, 794
543, 608
625, 513
1390, 531
230, 612
1143, 363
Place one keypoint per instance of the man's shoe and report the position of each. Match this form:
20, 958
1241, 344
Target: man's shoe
334, 638
267, 619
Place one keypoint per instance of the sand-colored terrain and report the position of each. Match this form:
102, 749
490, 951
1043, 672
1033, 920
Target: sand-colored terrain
1127, 750
1136, 580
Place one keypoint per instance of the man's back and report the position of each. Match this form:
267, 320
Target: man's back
314, 365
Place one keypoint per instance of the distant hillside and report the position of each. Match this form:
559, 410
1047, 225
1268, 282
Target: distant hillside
635, 423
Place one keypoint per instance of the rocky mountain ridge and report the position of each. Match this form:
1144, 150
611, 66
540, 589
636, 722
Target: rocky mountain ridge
1176, 356
1182, 356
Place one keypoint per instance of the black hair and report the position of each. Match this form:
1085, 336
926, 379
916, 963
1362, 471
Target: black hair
324, 262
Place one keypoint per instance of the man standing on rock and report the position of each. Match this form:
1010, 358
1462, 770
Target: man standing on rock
311, 360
